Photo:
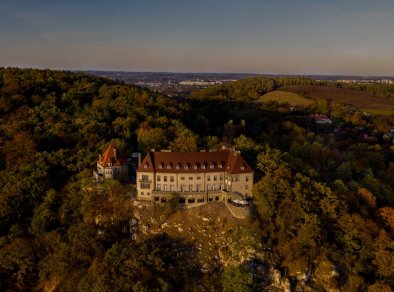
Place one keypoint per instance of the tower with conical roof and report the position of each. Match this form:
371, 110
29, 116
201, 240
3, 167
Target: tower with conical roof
111, 165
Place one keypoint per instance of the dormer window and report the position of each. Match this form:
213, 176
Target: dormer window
211, 165
177, 167
160, 166
146, 165
203, 166
168, 166
186, 167
242, 167
220, 165
195, 166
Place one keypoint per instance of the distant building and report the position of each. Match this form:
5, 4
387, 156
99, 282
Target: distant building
194, 177
111, 165
321, 119
199, 83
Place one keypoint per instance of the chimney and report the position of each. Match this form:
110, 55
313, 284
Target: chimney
115, 154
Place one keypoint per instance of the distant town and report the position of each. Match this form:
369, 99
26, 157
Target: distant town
174, 84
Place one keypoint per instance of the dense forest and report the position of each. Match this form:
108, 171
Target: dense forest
321, 195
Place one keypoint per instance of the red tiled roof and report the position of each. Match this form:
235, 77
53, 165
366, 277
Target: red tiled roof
192, 162
108, 157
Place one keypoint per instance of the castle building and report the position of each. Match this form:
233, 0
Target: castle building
111, 165
193, 177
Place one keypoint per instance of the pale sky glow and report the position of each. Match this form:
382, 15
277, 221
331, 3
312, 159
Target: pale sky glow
257, 36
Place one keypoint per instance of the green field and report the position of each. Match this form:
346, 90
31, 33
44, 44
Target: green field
379, 112
289, 97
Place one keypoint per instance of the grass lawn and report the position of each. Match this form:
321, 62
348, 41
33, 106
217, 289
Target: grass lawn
283, 96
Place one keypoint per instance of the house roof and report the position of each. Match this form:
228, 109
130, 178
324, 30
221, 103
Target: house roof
195, 162
112, 157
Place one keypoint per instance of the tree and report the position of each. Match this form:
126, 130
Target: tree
322, 106
46, 215
387, 215
185, 140
154, 138
237, 279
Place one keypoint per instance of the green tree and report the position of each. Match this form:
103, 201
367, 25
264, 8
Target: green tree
154, 138
237, 279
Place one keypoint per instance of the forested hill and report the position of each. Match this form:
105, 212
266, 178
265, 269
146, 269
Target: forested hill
252, 88
324, 196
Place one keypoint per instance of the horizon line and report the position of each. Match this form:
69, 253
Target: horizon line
194, 72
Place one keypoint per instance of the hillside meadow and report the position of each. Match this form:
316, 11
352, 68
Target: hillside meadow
287, 97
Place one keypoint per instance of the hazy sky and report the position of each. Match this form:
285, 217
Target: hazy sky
261, 36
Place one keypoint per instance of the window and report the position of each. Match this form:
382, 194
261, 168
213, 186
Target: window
158, 187
198, 177
145, 166
208, 178
144, 177
165, 178
145, 186
242, 167
177, 167
190, 178
182, 178
186, 167
183, 188
246, 187
221, 177
160, 166
165, 188
198, 187
158, 178
171, 179
195, 167
213, 187
220, 165
211, 166
168, 166
190, 188
246, 178
172, 188
215, 177
203, 166
208, 187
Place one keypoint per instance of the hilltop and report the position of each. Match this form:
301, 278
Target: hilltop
376, 98
323, 195
282, 96
355, 98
